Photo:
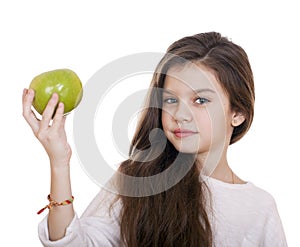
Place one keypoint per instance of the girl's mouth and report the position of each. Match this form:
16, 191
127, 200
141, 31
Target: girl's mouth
180, 133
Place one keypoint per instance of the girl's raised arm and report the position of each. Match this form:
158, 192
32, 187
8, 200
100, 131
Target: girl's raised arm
54, 140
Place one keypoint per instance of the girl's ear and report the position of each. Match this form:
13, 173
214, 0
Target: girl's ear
237, 119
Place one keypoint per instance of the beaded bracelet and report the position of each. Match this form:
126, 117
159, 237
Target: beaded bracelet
53, 203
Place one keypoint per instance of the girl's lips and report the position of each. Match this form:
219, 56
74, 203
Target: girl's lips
180, 133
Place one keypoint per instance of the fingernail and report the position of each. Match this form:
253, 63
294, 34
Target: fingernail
53, 97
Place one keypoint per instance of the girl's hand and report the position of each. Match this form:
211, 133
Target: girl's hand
52, 136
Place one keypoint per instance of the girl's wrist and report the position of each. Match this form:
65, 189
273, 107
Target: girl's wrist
57, 165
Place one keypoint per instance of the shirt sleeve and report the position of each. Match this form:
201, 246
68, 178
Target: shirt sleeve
274, 232
98, 226
270, 229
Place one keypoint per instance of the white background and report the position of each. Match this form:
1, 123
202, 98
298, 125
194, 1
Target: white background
38, 36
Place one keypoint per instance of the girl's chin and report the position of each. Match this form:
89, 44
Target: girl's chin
188, 150
190, 146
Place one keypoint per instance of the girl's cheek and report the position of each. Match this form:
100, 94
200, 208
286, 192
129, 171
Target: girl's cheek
164, 121
166, 117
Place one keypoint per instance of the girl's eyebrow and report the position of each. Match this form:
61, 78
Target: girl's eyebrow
204, 90
196, 91
167, 91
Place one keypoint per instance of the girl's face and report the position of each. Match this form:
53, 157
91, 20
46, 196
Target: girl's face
196, 114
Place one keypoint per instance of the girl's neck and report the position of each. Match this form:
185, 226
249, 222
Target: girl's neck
224, 173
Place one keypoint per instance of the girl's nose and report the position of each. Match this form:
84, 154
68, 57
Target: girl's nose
183, 113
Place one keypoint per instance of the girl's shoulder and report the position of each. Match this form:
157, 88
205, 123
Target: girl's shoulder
247, 193
105, 204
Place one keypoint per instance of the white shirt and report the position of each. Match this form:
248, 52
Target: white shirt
243, 215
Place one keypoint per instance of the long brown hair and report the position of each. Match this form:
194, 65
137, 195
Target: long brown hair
178, 216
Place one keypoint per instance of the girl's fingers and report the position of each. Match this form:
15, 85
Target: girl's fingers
59, 118
24, 94
49, 111
27, 98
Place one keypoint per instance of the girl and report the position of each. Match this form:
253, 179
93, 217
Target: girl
202, 98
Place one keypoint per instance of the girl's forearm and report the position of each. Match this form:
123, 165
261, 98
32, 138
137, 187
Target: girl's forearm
60, 217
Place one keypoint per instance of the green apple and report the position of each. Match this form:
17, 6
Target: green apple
64, 82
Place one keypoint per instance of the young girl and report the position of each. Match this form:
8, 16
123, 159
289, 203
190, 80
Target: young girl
202, 98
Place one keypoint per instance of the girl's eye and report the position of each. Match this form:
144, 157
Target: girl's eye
201, 101
170, 101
